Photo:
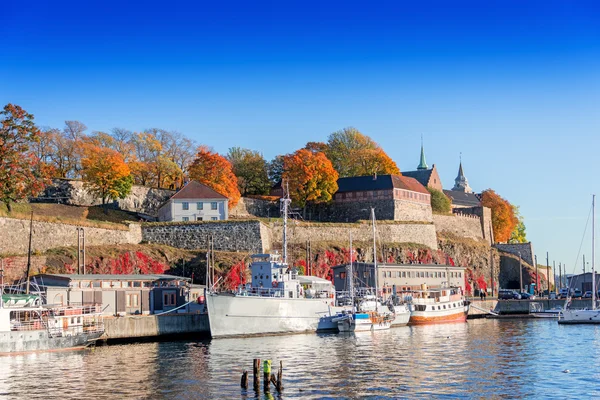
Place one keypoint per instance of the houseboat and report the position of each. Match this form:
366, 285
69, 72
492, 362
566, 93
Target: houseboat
28, 325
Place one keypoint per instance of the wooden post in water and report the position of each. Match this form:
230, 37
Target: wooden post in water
244, 382
267, 376
279, 384
255, 371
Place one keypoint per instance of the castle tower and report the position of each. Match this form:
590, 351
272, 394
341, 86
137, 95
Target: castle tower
422, 164
460, 183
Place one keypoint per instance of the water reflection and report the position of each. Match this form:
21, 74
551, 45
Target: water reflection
482, 358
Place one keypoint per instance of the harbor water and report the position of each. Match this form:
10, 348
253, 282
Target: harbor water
520, 358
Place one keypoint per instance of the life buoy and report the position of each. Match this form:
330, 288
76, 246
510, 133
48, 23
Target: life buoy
275, 284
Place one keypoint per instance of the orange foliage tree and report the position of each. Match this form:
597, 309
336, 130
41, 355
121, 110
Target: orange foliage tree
105, 173
215, 171
310, 177
21, 173
504, 220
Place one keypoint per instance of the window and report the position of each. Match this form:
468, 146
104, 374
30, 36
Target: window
169, 299
342, 275
185, 205
134, 300
199, 205
213, 205
128, 300
185, 219
403, 274
214, 218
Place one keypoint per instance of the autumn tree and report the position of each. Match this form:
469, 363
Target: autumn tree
355, 154
250, 168
310, 177
214, 171
105, 173
316, 147
504, 220
20, 172
440, 203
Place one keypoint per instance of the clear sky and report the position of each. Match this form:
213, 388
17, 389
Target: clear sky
513, 85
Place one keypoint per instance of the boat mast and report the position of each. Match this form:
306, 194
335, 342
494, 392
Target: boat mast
351, 275
593, 253
375, 260
285, 201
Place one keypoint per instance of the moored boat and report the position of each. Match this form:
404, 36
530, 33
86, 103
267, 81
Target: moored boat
26, 325
433, 306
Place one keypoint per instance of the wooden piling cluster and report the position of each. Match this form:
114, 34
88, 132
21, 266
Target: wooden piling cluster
268, 377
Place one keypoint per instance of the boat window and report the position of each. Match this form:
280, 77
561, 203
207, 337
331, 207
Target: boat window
343, 275
255, 276
267, 277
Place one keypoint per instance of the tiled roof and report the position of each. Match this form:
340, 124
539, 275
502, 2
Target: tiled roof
196, 190
381, 182
422, 175
462, 198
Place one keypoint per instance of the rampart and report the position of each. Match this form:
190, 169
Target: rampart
48, 235
463, 225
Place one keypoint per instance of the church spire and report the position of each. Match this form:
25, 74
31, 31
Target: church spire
460, 183
423, 163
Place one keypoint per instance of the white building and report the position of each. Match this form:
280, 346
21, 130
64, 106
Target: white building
195, 202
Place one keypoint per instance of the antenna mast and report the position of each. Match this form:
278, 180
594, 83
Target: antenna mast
593, 252
375, 260
285, 202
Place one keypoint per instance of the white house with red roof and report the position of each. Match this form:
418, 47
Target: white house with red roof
195, 202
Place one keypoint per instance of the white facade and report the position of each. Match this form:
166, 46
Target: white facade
194, 210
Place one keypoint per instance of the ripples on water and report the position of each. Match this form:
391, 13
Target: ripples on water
482, 358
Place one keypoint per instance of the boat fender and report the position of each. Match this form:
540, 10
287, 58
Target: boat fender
275, 283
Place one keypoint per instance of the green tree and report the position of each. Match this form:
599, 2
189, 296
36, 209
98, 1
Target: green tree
355, 154
251, 170
518, 234
21, 174
275, 169
440, 203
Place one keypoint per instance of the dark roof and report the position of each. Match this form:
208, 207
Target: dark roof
462, 198
116, 277
196, 190
381, 182
422, 175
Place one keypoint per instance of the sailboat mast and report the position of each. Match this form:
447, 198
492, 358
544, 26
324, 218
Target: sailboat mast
351, 275
593, 252
375, 260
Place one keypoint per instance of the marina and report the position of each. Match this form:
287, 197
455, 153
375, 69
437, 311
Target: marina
490, 358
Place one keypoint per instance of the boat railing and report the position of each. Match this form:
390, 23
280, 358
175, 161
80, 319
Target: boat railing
77, 309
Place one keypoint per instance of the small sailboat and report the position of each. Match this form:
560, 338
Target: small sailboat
586, 316
363, 317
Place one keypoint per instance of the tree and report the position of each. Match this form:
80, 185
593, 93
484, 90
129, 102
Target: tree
355, 154
439, 201
275, 169
20, 172
250, 168
310, 177
316, 147
214, 171
105, 173
503, 217
518, 235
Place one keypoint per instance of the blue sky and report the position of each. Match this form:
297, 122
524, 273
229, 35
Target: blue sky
514, 86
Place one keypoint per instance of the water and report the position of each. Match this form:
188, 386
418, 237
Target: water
483, 358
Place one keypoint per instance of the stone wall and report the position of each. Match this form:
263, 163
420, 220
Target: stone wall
248, 207
49, 235
485, 219
142, 199
385, 209
525, 249
227, 235
298, 232
468, 226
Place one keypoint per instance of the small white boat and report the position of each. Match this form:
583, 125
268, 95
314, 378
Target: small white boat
552, 313
571, 316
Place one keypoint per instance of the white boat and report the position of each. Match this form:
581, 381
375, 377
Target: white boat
586, 316
536, 310
26, 325
277, 301
434, 306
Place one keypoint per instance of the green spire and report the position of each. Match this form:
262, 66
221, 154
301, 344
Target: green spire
423, 163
